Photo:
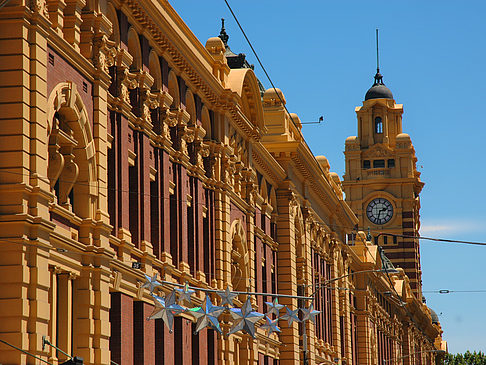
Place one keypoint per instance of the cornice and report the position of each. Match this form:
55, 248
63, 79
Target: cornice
190, 58
262, 158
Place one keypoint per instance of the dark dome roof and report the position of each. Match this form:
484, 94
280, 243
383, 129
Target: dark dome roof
435, 317
378, 90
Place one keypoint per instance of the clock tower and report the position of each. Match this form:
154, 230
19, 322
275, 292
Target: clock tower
381, 182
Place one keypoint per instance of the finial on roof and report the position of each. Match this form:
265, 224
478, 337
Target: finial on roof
378, 90
222, 34
378, 76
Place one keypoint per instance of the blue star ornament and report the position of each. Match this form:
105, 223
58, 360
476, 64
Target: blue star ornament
227, 296
291, 316
207, 315
245, 319
274, 307
166, 309
185, 294
309, 314
270, 326
151, 282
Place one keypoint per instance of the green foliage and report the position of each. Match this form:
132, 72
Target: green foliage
468, 358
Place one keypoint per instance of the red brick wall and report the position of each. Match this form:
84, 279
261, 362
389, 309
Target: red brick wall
62, 71
143, 334
121, 319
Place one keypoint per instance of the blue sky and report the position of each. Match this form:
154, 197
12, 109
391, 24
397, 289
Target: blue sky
321, 54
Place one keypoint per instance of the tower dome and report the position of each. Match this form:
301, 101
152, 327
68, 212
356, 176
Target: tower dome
378, 90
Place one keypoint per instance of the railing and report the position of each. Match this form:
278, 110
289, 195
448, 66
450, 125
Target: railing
378, 172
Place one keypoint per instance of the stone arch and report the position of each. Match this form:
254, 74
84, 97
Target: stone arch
115, 26
173, 85
263, 191
134, 49
155, 71
72, 157
340, 267
299, 231
273, 200
245, 84
240, 259
191, 107
206, 122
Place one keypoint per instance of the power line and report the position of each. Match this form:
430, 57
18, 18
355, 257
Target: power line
263, 67
447, 291
433, 239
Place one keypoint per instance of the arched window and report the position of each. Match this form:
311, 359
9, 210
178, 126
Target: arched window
378, 125
134, 49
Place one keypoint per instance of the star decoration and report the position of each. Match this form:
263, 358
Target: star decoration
151, 282
309, 314
227, 296
245, 319
271, 326
274, 307
185, 294
291, 316
207, 315
166, 309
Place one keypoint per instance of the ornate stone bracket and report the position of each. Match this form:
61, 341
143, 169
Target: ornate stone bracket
177, 120
104, 53
249, 185
212, 149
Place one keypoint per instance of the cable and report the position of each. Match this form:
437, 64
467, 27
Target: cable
25, 352
263, 68
433, 239
5, 2
447, 291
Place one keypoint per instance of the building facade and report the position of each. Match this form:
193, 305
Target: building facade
128, 148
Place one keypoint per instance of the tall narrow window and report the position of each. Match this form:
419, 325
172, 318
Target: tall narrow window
378, 125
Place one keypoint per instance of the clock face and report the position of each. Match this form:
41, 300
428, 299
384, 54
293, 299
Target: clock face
379, 211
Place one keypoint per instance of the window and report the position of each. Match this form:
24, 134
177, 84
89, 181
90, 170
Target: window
378, 164
366, 164
391, 162
378, 125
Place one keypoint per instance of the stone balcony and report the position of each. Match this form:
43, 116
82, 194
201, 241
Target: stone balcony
377, 173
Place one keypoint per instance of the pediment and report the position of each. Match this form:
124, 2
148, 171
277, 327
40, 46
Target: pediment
378, 150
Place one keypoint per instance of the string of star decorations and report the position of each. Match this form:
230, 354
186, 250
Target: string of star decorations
178, 301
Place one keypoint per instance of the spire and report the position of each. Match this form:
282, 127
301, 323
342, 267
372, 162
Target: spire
378, 90
222, 34
378, 76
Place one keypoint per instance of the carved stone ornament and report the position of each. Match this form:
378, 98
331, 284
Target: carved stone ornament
378, 151
39, 7
104, 53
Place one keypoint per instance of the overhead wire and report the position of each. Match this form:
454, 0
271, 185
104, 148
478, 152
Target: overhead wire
261, 64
